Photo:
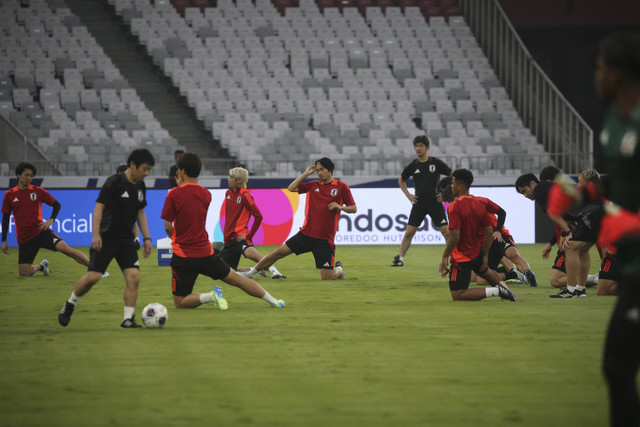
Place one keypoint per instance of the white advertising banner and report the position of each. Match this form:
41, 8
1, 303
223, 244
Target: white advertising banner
381, 218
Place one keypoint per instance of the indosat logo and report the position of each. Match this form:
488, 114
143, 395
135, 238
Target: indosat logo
278, 207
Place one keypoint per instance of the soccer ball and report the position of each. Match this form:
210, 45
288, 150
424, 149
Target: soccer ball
155, 315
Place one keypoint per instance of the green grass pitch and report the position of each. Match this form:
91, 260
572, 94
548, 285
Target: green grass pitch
384, 347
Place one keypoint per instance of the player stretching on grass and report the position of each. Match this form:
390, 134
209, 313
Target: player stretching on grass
426, 172
25, 200
119, 206
468, 219
185, 215
326, 198
239, 207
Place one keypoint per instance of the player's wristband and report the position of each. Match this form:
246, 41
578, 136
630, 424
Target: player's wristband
146, 238
565, 233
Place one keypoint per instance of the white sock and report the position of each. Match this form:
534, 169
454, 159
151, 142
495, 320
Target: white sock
579, 288
73, 299
206, 297
571, 289
592, 279
491, 292
401, 258
128, 312
251, 272
274, 270
268, 298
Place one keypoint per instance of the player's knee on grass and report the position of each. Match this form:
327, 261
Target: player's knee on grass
607, 287
26, 270
558, 279
326, 274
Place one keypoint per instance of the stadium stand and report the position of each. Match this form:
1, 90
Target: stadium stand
276, 83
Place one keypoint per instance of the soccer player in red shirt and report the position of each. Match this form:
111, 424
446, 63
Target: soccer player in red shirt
25, 200
326, 198
185, 214
239, 207
468, 243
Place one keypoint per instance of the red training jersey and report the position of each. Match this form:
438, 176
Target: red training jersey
492, 211
469, 215
319, 221
27, 210
239, 207
186, 207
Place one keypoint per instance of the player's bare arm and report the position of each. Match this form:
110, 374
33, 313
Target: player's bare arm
293, 187
452, 241
96, 241
347, 209
144, 228
403, 186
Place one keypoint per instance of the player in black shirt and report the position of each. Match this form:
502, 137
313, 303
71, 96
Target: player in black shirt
426, 172
119, 206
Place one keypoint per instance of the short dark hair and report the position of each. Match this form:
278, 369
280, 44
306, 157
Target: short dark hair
525, 180
24, 165
549, 173
140, 156
179, 151
191, 164
621, 52
444, 182
326, 162
122, 169
421, 139
463, 176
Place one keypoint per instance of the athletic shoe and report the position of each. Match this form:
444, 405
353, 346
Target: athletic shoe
531, 279
64, 317
279, 276
278, 304
264, 273
341, 267
243, 273
45, 267
505, 293
397, 262
218, 298
130, 323
565, 293
581, 294
105, 275
521, 277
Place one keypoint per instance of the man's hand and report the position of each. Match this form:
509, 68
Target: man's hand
413, 198
497, 236
46, 224
334, 205
546, 251
96, 243
5, 247
444, 267
147, 248
310, 170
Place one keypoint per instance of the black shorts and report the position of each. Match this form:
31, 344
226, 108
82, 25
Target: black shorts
508, 240
125, 254
609, 269
496, 252
588, 225
559, 263
232, 251
460, 275
434, 209
28, 250
185, 271
320, 248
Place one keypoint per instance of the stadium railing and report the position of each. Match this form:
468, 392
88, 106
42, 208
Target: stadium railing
556, 124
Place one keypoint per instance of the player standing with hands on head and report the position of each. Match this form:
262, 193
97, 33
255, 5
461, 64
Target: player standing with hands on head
185, 215
239, 207
426, 172
25, 201
326, 199
120, 205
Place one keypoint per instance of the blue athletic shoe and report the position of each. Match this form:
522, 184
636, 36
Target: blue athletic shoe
531, 278
218, 298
